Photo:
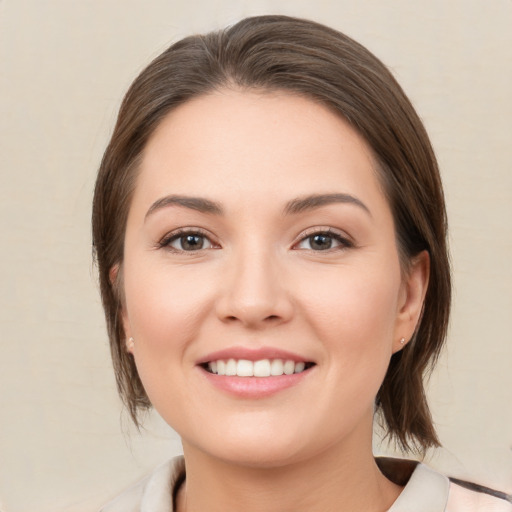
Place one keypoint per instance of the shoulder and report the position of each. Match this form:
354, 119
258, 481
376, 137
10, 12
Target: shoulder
468, 497
426, 490
152, 494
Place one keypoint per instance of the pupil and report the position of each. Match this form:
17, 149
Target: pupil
321, 242
191, 242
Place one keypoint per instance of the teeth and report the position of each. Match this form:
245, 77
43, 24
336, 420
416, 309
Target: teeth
231, 367
289, 367
299, 367
244, 368
276, 367
260, 368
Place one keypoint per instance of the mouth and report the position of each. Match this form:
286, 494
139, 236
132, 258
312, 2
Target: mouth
255, 373
259, 368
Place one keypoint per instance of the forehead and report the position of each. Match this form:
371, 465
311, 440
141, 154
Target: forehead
265, 144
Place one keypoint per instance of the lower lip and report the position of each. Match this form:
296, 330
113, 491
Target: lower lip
254, 387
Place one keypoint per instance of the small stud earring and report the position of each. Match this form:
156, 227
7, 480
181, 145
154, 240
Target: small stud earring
402, 341
130, 343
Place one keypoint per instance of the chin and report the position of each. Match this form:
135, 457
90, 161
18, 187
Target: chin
263, 447
260, 457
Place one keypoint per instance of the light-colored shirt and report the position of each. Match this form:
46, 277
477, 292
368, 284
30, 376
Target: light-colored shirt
426, 490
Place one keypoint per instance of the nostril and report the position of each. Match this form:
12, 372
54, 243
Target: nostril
270, 318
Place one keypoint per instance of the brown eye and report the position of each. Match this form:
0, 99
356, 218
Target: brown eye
320, 242
323, 241
188, 242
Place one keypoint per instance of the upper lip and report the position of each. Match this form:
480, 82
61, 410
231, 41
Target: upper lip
252, 354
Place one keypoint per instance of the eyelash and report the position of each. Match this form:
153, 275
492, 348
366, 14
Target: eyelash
165, 242
344, 241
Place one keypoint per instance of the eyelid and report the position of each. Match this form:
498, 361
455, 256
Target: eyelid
164, 242
343, 238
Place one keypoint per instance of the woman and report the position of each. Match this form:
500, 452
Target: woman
270, 232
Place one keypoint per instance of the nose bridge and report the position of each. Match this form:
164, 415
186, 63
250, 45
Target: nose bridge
254, 291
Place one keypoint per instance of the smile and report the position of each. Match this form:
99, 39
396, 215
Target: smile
259, 368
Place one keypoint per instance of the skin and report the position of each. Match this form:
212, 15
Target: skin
258, 281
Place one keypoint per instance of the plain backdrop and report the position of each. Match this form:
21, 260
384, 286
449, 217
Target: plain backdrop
65, 443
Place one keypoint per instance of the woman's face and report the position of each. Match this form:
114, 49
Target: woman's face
259, 242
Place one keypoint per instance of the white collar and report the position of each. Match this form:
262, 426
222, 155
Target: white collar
426, 490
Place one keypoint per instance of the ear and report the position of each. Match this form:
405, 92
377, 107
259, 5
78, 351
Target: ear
116, 281
128, 338
112, 275
412, 296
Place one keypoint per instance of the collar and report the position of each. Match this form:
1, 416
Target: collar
425, 490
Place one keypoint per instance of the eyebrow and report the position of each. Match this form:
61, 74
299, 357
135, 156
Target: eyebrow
302, 204
293, 207
194, 203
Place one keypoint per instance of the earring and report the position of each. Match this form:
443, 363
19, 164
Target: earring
402, 341
130, 343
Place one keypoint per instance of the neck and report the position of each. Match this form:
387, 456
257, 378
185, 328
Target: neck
338, 480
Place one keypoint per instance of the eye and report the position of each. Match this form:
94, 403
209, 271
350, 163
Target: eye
323, 241
186, 241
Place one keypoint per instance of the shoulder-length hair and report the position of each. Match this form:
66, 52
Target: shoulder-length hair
279, 53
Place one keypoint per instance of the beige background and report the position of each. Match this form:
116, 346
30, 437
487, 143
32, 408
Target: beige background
65, 445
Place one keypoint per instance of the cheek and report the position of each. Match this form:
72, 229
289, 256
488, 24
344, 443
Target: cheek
355, 315
353, 298
357, 328
164, 312
157, 299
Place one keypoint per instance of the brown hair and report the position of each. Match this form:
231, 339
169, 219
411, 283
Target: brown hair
303, 57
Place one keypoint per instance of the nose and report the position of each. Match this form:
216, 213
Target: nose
254, 292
